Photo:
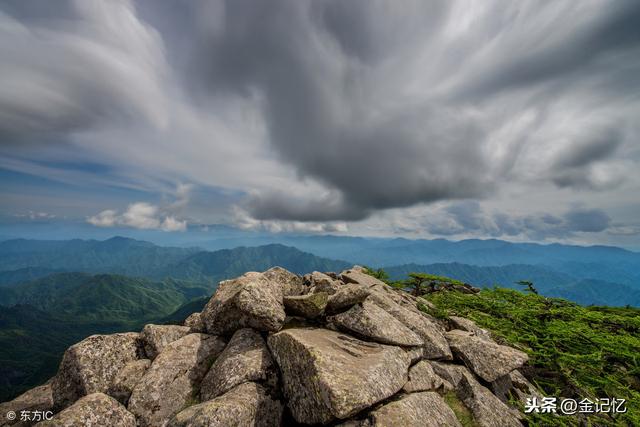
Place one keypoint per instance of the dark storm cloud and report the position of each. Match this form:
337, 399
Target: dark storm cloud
330, 77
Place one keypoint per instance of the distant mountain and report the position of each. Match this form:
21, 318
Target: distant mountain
547, 281
598, 292
12, 277
131, 257
104, 297
227, 263
583, 262
116, 255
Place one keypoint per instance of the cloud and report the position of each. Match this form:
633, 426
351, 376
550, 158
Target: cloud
96, 64
389, 119
306, 115
138, 215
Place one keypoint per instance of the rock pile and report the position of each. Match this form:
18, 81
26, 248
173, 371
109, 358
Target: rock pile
274, 348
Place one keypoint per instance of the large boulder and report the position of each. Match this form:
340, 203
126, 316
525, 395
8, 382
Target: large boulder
423, 378
173, 378
327, 375
426, 409
434, 342
156, 337
245, 405
252, 300
373, 323
246, 358
346, 296
356, 274
91, 365
485, 358
290, 283
487, 409
449, 372
308, 306
469, 326
321, 282
36, 399
194, 322
94, 410
125, 381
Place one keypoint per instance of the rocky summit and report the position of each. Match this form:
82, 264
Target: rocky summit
278, 349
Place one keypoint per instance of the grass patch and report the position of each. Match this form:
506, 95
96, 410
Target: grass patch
462, 412
575, 352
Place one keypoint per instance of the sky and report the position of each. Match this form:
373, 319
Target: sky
456, 119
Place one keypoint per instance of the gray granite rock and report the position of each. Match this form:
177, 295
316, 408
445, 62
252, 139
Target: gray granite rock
245, 405
194, 323
308, 306
37, 399
173, 378
434, 343
450, 372
345, 297
246, 358
251, 300
469, 326
370, 321
156, 337
426, 409
422, 378
321, 282
290, 283
485, 358
487, 409
91, 365
126, 380
94, 410
327, 375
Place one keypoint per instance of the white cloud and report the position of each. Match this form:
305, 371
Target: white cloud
138, 215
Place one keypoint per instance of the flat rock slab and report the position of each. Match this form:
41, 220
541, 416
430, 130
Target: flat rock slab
328, 375
246, 358
91, 365
94, 410
373, 323
426, 409
126, 380
422, 378
346, 296
157, 337
245, 405
434, 343
469, 326
487, 409
486, 359
309, 306
253, 300
173, 378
